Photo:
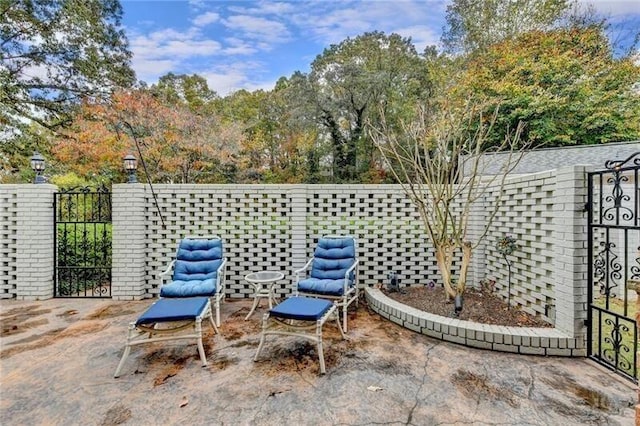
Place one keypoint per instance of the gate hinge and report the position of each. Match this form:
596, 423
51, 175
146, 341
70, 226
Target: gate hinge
586, 323
585, 208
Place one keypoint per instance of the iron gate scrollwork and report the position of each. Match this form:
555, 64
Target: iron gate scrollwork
82, 243
614, 264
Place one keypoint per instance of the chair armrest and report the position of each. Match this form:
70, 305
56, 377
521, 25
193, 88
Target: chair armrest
220, 276
304, 268
166, 272
350, 270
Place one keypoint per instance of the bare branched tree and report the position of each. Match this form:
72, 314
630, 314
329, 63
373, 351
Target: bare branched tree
442, 168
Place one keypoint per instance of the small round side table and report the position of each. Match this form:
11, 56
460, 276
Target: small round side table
263, 285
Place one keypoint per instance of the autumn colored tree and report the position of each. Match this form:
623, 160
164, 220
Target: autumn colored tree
474, 25
177, 146
564, 84
274, 145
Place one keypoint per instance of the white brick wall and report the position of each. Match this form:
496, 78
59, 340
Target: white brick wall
8, 237
277, 226
26, 229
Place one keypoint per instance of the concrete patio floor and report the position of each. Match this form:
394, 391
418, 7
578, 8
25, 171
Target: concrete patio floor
57, 358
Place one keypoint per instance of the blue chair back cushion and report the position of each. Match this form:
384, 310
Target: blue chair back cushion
198, 260
332, 258
196, 269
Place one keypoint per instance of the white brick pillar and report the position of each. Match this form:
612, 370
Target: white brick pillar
477, 221
298, 221
34, 242
129, 248
570, 251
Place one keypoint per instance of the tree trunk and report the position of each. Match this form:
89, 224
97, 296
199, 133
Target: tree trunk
444, 259
466, 261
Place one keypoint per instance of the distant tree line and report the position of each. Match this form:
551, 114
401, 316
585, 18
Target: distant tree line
546, 65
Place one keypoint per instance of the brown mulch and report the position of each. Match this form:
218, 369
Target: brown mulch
479, 306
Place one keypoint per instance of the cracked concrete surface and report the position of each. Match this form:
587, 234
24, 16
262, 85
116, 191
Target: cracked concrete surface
57, 358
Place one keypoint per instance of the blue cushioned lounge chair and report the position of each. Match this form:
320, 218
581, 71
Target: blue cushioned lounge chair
332, 273
197, 270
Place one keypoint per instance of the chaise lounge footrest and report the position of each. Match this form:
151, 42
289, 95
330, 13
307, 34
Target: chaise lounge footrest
170, 319
299, 316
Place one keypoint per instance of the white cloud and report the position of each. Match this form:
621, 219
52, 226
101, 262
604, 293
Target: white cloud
236, 46
150, 70
265, 8
169, 43
332, 22
226, 79
421, 36
205, 19
258, 28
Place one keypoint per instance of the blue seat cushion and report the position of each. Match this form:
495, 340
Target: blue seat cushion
191, 288
301, 309
319, 286
168, 310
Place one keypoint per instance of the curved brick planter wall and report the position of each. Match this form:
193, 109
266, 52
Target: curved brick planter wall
524, 340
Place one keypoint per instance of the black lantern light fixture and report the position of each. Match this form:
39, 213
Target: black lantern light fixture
38, 166
130, 166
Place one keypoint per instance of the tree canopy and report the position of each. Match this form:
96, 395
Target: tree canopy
54, 53
538, 62
349, 81
564, 84
473, 25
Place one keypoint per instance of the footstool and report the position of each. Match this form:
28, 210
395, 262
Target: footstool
299, 316
170, 319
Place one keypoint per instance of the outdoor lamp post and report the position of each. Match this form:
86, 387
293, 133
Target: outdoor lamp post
38, 166
130, 166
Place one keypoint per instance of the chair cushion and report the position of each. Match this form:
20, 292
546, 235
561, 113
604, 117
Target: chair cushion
332, 258
167, 310
301, 308
319, 286
197, 259
189, 288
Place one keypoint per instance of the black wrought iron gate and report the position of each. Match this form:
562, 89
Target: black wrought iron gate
614, 264
82, 243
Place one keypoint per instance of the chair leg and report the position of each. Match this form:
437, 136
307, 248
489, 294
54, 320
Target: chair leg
337, 317
320, 350
198, 328
217, 312
344, 307
265, 320
127, 350
213, 323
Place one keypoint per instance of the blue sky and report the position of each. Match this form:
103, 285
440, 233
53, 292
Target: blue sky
247, 44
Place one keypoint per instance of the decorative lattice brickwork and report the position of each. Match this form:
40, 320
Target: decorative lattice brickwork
252, 220
8, 227
386, 225
527, 213
277, 227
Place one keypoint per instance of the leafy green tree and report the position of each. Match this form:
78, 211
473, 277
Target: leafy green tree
564, 84
474, 25
53, 53
181, 89
348, 84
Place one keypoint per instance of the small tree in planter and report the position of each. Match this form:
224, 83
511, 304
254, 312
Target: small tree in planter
506, 246
440, 167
